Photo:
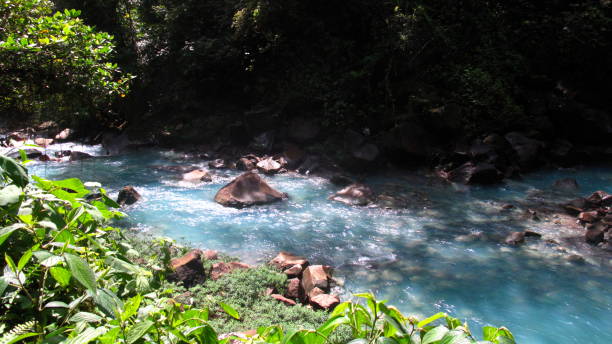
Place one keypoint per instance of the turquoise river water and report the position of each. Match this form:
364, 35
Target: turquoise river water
442, 253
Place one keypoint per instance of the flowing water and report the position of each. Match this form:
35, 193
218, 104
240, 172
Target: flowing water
442, 253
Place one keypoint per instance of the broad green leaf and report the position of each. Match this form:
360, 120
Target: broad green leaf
6, 232
138, 330
130, 307
10, 262
14, 170
87, 336
57, 304
431, 319
81, 271
455, 337
24, 260
86, 317
19, 338
9, 195
61, 275
229, 310
3, 285
108, 302
434, 335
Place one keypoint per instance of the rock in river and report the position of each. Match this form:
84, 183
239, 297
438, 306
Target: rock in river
246, 190
128, 195
355, 194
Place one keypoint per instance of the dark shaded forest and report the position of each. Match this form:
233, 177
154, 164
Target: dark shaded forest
434, 71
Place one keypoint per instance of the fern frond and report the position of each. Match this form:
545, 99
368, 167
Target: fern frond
17, 332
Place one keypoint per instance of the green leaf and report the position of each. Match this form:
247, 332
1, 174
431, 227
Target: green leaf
21, 337
455, 337
3, 285
14, 170
130, 307
81, 271
6, 232
10, 262
86, 317
434, 335
9, 195
431, 319
137, 331
88, 335
57, 304
108, 302
229, 310
61, 275
24, 260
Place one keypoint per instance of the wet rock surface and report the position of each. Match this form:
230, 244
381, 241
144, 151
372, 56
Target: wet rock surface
128, 196
246, 190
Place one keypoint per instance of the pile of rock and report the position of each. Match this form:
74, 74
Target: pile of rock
308, 284
491, 159
189, 269
594, 213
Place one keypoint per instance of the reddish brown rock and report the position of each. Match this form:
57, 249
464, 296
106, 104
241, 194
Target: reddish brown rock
589, 216
197, 176
285, 260
128, 195
43, 142
294, 271
576, 206
283, 299
220, 269
596, 198
594, 236
76, 156
188, 269
355, 194
515, 238
210, 255
268, 166
325, 302
246, 164
316, 276
294, 289
314, 292
64, 134
217, 164
246, 190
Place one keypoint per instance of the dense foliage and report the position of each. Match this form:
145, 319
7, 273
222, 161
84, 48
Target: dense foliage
68, 277
52, 65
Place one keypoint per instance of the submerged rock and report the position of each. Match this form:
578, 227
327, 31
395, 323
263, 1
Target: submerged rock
566, 184
128, 195
516, 238
197, 176
355, 194
43, 142
76, 156
474, 173
246, 190
594, 236
217, 164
